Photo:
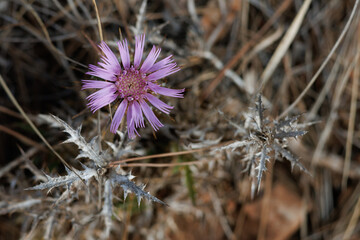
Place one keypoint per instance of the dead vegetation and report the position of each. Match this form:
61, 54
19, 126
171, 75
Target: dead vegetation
219, 142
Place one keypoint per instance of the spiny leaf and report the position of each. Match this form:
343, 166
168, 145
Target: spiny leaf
293, 134
260, 111
286, 122
88, 149
261, 167
128, 186
66, 180
288, 156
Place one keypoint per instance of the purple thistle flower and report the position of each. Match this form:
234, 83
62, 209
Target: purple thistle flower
133, 83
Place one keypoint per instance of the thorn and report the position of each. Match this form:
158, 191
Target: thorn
47, 176
139, 200
125, 195
130, 176
68, 170
79, 129
84, 166
292, 166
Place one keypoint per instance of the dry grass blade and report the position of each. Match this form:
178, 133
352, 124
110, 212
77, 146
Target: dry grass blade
101, 39
284, 44
98, 21
351, 127
140, 18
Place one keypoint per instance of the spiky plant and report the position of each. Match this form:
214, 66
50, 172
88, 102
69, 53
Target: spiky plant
96, 168
262, 136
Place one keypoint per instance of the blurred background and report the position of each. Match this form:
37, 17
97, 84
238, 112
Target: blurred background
229, 52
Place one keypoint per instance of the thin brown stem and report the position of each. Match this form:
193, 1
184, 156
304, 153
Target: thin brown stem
162, 155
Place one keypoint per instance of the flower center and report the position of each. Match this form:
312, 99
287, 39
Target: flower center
131, 84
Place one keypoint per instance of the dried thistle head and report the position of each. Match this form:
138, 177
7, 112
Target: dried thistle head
263, 137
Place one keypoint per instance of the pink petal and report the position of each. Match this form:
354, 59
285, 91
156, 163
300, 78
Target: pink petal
158, 103
153, 120
137, 115
151, 58
124, 53
111, 63
161, 64
139, 49
168, 70
118, 116
101, 73
95, 84
101, 98
178, 93
130, 121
